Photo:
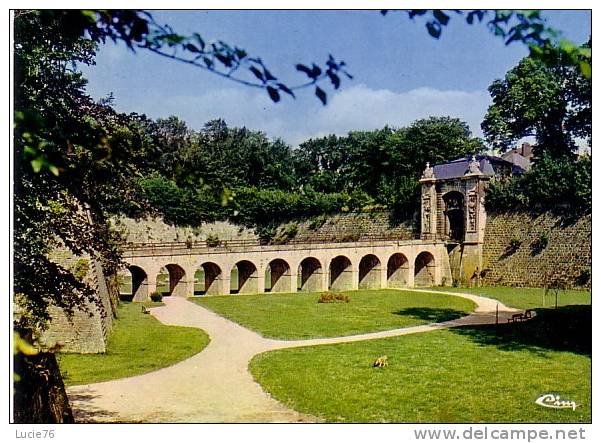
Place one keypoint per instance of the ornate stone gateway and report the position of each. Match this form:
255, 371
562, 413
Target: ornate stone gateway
452, 208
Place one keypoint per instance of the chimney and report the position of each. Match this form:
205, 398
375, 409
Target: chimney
526, 150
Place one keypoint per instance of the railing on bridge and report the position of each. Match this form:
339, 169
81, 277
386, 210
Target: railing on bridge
189, 247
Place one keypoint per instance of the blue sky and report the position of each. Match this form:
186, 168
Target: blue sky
400, 72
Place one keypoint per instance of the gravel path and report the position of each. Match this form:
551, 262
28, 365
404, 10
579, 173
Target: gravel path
215, 386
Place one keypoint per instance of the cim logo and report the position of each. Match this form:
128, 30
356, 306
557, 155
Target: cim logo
555, 401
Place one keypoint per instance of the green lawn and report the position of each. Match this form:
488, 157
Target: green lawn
525, 298
299, 316
137, 344
468, 374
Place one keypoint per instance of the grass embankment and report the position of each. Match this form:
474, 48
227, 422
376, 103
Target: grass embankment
468, 374
138, 344
527, 298
299, 316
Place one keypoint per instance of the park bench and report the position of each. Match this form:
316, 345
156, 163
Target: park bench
515, 317
521, 316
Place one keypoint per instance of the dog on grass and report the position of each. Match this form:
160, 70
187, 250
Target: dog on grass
381, 362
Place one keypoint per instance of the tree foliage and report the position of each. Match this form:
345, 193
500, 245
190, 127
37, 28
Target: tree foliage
562, 185
551, 102
386, 163
74, 163
235, 173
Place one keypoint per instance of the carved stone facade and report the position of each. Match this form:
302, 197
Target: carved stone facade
452, 209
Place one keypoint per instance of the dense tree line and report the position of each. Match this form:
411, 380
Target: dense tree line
235, 173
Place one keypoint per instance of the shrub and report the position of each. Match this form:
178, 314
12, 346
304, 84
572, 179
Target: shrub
265, 209
513, 246
350, 237
156, 296
265, 233
539, 244
80, 269
584, 277
212, 240
317, 222
286, 232
330, 297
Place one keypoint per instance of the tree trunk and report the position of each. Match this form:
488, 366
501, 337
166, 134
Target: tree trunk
39, 392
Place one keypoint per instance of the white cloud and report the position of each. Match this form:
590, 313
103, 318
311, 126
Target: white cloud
355, 108
360, 107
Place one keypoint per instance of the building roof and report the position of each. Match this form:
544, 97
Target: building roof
517, 159
489, 165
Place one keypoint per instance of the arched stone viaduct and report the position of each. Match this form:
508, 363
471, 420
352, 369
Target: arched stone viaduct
288, 268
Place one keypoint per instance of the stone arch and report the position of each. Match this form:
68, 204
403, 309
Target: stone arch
425, 269
171, 280
246, 278
208, 279
370, 272
341, 273
133, 284
454, 211
279, 276
397, 272
310, 273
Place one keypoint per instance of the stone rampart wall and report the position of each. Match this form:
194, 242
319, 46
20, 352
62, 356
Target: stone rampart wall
524, 250
87, 330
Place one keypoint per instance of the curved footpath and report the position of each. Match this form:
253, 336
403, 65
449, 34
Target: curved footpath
215, 386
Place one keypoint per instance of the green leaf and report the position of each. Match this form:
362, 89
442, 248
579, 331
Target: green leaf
29, 150
334, 79
190, 47
225, 59
470, 17
586, 70
268, 74
37, 163
442, 18
257, 73
53, 169
274, 95
303, 68
321, 95
200, 41
585, 52
316, 71
23, 346
240, 53
286, 89
433, 29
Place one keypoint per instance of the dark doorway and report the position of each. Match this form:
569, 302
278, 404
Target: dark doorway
455, 215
